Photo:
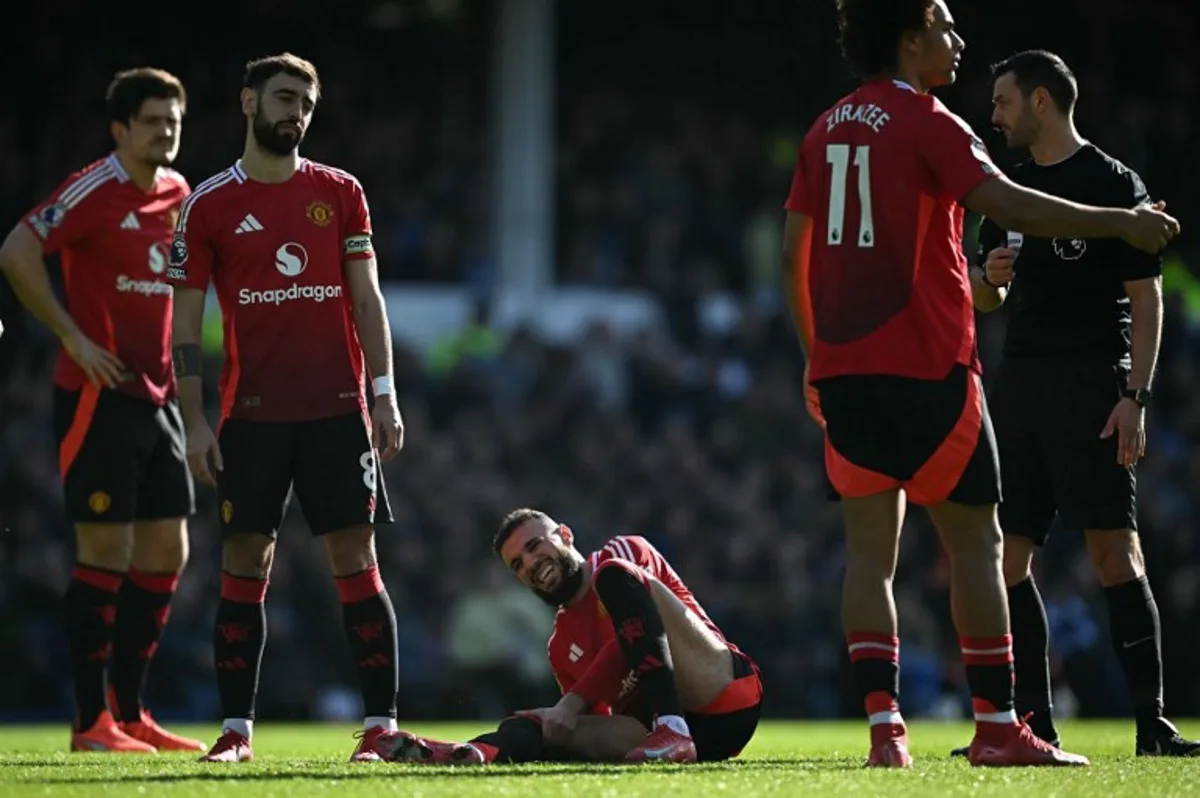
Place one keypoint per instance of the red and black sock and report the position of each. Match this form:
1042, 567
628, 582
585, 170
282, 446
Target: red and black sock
371, 629
1137, 638
91, 611
518, 739
623, 590
143, 607
875, 663
238, 641
989, 664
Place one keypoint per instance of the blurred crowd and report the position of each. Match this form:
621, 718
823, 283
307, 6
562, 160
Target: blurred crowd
692, 434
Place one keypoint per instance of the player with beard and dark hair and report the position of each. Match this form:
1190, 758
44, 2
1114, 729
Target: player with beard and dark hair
121, 449
287, 243
632, 651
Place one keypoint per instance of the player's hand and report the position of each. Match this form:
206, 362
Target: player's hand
558, 722
1128, 421
201, 446
100, 366
1151, 228
998, 269
812, 401
387, 427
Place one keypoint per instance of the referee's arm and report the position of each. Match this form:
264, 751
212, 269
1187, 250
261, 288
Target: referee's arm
986, 294
1141, 274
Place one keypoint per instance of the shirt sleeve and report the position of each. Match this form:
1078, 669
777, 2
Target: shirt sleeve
191, 261
356, 229
1134, 264
68, 215
991, 236
797, 199
953, 153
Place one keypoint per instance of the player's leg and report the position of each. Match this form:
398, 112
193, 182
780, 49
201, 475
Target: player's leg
960, 485
681, 664
252, 495
99, 466
343, 496
1018, 403
1100, 496
861, 464
160, 552
518, 740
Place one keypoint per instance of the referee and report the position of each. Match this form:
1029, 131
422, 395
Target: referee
1070, 397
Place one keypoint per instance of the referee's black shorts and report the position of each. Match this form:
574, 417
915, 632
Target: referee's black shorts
1048, 415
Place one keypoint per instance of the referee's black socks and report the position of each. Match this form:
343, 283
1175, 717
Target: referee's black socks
1137, 638
1031, 657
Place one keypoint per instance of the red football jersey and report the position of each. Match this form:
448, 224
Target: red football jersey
113, 240
275, 252
881, 175
584, 630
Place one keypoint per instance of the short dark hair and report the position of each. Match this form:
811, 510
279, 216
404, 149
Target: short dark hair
1034, 69
132, 87
870, 31
510, 522
260, 70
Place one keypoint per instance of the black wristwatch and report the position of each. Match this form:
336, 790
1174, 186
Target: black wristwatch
1140, 395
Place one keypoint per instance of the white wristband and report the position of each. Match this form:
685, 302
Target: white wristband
383, 386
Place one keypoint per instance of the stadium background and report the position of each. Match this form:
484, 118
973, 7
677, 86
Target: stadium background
577, 209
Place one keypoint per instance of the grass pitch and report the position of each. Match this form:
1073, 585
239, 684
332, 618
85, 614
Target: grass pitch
785, 759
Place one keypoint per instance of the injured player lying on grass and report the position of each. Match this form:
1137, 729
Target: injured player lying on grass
645, 674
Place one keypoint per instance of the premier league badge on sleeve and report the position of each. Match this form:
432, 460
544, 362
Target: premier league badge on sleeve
179, 253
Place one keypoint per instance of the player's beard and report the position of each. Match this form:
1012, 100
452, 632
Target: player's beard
272, 138
568, 585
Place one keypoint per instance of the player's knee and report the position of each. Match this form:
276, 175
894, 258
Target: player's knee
614, 572
351, 551
106, 546
1116, 556
160, 547
1018, 560
248, 555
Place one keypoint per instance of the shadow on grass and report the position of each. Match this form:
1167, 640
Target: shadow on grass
337, 773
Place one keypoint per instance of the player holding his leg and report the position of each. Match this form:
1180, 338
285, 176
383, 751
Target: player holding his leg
121, 445
287, 243
632, 650
1082, 337
880, 294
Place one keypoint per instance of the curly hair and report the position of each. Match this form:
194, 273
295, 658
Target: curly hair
870, 30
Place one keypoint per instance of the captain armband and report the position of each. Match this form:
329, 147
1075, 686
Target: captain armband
187, 360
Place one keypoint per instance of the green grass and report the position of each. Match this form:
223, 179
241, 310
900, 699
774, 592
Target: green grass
785, 759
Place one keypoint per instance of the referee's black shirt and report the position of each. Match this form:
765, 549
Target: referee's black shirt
1067, 299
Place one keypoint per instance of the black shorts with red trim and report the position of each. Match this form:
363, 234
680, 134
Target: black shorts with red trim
329, 463
933, 438
122, 458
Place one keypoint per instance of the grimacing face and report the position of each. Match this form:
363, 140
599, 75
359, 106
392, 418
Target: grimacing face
540, 555
1012, 113
152, 134
280, 112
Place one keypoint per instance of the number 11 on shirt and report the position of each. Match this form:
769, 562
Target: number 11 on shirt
838, 156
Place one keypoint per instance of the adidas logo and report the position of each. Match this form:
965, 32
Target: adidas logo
574, 653
130, 222
248, 225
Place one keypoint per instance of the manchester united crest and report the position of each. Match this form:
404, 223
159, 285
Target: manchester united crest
319, 213
227, 511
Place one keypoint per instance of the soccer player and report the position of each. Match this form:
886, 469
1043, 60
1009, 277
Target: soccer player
121, 448
880, 293
1070, 395
632, 650
287, 243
